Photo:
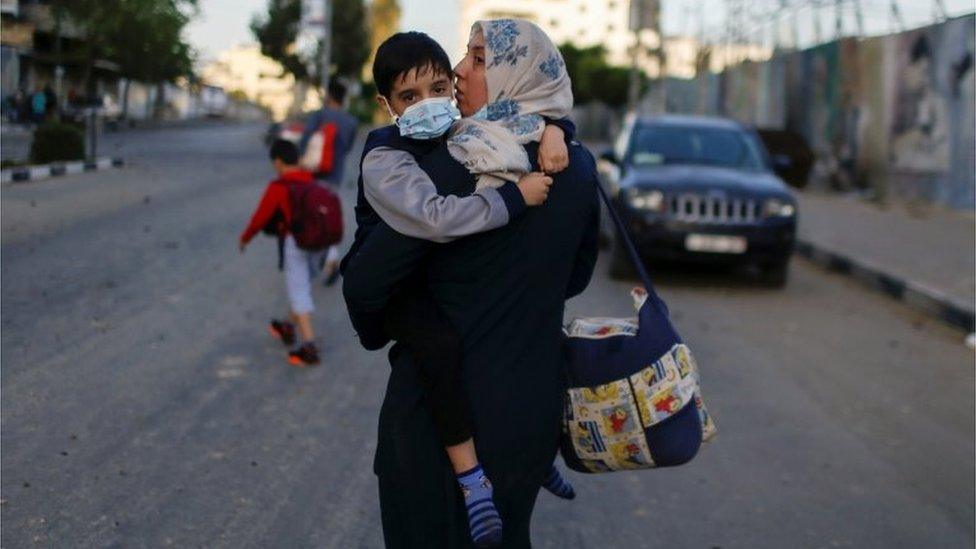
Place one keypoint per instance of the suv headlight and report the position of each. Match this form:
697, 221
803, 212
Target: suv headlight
775, 207
641, 199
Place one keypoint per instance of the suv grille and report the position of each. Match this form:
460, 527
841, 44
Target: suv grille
714, 209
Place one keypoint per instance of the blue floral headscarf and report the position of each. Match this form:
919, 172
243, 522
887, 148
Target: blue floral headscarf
527, 80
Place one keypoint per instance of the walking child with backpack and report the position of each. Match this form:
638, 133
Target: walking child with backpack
307, 219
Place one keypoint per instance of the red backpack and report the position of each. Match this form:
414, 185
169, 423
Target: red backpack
316, 218
319, 154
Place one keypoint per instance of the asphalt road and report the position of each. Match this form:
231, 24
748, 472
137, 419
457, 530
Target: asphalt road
144, 404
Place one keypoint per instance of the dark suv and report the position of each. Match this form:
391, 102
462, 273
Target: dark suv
700, 189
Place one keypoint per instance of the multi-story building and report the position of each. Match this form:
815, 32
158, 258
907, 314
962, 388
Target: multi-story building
580, 22
30, 56
261, 79
607, 23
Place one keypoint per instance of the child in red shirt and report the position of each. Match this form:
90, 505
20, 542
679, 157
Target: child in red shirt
300, 266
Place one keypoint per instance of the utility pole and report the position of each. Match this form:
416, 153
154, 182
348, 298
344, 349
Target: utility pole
783, 11
702, 58
775, 28
817, 34
326, 48
727, 37
838, 19
794, 29
897, 22
636, 17
645, 15
734, 34
662, 77
58, 67
859, 18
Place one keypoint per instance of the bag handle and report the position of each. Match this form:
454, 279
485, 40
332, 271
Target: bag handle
624, 235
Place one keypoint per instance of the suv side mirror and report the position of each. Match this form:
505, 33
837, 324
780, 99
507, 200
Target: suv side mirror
609, 156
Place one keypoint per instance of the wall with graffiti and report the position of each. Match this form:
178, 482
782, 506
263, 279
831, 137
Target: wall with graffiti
891, 114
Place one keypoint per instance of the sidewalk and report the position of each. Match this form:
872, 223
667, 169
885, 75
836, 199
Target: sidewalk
15, 139
927, 258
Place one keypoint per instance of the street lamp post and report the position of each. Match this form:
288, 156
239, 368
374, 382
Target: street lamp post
326, 47
645, 14
634, 89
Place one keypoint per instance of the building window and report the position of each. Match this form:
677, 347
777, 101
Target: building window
554, 23
610, 28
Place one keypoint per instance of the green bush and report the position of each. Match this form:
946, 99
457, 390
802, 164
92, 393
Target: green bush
594, 80
55, 141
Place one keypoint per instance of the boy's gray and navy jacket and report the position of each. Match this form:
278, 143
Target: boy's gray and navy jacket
504, 291
441, 223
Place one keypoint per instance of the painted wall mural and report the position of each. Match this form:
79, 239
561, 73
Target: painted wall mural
893, 114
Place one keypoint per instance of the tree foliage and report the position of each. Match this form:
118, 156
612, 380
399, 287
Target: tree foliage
593, 79
350, 37
143, 36
278, 28
148, 44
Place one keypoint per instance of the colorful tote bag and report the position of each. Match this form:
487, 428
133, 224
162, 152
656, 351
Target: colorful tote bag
634, 397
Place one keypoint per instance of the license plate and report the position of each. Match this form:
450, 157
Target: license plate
716, 244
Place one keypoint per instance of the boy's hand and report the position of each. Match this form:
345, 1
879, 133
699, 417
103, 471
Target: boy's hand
553, 153
535, 188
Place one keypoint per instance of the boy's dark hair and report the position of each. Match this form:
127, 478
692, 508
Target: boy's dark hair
284, 150
337, 91
403, 52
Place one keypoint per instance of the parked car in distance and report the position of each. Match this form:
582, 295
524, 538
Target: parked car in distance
105, 108
702, 190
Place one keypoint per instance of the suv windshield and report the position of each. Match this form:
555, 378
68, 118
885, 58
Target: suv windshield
661, 145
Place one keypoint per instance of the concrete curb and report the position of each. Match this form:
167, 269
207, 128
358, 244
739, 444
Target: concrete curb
927, 300
25, 174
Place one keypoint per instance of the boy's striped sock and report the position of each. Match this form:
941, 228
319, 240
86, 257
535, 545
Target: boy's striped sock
559, 486
483, 518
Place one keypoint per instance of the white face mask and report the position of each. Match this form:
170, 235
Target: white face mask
427, 119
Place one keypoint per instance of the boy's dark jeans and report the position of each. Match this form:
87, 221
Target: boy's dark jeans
413, 319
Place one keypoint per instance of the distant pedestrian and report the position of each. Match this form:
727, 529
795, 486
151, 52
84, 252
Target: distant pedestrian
337, 129
50, 101
38, 104
274, 215
22, 107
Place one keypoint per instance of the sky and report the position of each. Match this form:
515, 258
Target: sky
224, 23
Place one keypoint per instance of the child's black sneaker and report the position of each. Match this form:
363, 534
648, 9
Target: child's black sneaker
306, 355
283, 331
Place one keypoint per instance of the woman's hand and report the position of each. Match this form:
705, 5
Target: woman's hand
535, 188
553, 153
